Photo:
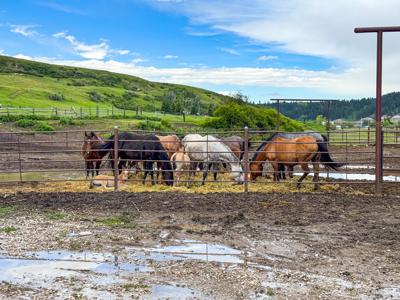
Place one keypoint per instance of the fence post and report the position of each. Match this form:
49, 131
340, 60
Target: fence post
246, 159
97, 110
56, 111
66, 140
124, 112
90, 111
33, 111
81, 112
19, 159
369, 133
116, 171
112, 110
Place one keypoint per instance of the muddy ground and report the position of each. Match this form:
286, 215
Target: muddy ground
298, 246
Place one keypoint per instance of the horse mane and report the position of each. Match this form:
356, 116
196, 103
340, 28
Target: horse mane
262, 145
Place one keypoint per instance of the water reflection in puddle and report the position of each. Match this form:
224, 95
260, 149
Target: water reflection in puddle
161, 291
192, 250
354, 176
62, 271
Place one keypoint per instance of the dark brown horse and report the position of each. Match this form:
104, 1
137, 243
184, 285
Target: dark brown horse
92, 153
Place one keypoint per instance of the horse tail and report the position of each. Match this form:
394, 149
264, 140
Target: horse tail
325, 138
326, 158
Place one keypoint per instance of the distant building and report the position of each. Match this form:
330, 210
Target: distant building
339, 121
365, 122
395, 119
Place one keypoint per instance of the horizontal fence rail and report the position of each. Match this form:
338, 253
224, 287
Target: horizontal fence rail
70, 156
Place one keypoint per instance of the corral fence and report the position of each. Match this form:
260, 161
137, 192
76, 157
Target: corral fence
57, 157
72, 112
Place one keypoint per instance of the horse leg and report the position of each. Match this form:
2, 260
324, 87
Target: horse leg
145, 171
87, 169
205, 172
153, 182
290, 171
215, 169
91, 166
275, 167
98, 163
306, 171
281, 168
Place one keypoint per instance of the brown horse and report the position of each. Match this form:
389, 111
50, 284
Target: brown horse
92, 153
171, 143
236, 144
291, 152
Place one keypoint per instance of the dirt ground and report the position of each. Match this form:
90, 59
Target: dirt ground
296, 245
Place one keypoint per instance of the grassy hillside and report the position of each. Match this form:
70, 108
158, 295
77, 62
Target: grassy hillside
33, 84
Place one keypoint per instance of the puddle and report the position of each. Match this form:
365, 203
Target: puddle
55, 270
192, 250
354, 176
162, 291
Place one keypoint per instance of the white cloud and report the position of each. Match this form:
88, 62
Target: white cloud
308, 27
267, 57
25, 30
94, 51
350, 82
22, 56
229, 50
138, 60
170, 56
122, 52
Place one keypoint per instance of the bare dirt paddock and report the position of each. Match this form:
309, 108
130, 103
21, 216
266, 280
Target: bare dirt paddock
199, 246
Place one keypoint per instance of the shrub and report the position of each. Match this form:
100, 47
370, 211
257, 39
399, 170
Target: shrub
25, 123
43, 126
57, 97
70, 121
94, 96
238, 115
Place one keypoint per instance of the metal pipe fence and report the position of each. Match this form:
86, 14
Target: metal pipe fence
57, 156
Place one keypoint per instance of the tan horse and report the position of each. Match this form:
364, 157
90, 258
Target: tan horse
181, 162
171, 144
291, 152
108, 181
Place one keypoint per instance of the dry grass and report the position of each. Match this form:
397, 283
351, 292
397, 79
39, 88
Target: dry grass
263, 186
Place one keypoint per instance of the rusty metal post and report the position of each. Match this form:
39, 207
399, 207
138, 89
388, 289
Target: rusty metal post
278, 116
116, 171
246, 159
378, 104
378, 117
19, 158
66, 140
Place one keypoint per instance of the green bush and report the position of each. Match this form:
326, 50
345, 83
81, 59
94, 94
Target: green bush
70, 121
25, 123
155, 126
235, 115
57, 97
43, 126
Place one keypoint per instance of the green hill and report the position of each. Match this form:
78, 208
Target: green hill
33, 84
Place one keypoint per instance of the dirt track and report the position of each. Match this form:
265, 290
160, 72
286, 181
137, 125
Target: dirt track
294, 245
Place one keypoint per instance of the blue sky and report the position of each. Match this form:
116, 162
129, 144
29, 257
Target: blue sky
264, 49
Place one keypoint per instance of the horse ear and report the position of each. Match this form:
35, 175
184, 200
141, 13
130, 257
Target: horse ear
92, 134
86, 134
